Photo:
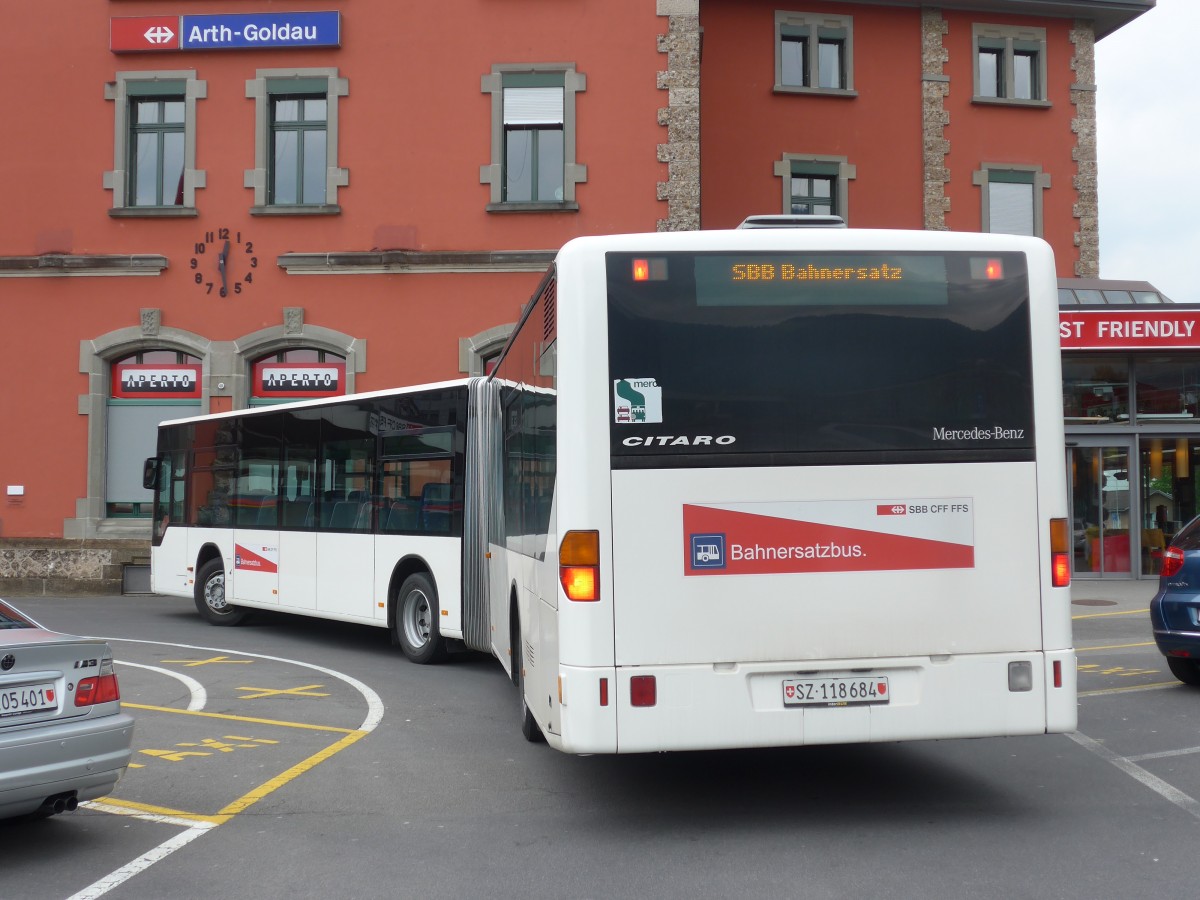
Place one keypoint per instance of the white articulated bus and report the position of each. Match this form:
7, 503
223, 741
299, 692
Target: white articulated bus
760, 487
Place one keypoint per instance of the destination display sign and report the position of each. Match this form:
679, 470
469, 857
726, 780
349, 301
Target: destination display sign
240, 31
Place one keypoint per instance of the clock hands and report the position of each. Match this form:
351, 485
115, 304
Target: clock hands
222, 257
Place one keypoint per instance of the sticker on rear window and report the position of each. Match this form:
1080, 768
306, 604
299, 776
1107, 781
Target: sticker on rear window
637, 401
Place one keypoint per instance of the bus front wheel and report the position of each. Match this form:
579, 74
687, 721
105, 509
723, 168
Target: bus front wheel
416, 620
210, 596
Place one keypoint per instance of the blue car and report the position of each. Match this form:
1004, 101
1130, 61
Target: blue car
1175, 609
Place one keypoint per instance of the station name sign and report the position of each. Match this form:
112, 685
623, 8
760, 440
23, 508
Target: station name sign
241, 31
1159, 329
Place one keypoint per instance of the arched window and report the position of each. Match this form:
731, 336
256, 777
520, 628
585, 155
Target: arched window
146, 387
295, 374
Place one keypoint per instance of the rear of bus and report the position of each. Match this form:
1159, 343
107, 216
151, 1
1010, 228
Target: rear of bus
831, 505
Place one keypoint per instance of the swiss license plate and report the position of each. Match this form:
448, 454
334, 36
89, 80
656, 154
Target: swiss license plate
856, 690
29, 698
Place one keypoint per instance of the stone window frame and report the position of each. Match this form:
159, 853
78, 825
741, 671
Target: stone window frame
276, 81
813, 23
474, 350
839, 166
492, 174
117, 179
249, 348
1009, 39
96, 357
225, 372
1026, 174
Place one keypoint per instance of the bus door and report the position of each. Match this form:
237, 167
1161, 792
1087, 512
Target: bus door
256, 530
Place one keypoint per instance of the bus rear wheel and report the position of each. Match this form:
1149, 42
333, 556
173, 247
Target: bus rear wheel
210, 596
416, 620
529, 726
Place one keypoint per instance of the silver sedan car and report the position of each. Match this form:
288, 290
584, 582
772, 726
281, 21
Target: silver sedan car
63, 737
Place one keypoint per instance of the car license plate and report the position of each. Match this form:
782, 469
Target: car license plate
854, 691
29, 698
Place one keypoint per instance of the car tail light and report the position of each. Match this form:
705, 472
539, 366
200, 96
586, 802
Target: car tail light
643, 690
1172, 562
579, 565
101, 688
1060, 553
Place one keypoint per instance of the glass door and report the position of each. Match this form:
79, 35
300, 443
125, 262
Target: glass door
1102, 516
1168, 492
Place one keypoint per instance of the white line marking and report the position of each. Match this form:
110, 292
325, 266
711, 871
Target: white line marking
160, 818
199, 696
143, 862
1164, 754
194, 830
1169, 792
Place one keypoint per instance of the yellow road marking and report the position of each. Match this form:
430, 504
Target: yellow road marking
158, 810
1127, 612
251, 719
252, 797
1159, 685
192, 663
302, 691
1114, 647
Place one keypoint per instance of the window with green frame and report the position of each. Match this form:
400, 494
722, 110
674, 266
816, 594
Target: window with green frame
814, 53
1011, 207
299, 143
1010, 64
814, 193
156, 143
132, 436
533, 137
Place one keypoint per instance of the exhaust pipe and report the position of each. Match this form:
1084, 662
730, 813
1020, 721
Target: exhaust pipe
60, 803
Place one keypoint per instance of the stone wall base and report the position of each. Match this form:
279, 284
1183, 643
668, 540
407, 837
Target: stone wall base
61, 567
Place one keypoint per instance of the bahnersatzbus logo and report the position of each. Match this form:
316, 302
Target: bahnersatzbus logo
708, 551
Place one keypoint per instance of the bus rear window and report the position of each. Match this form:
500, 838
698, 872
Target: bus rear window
824, 358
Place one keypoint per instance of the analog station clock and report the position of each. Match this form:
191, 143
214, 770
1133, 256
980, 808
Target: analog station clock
223, 262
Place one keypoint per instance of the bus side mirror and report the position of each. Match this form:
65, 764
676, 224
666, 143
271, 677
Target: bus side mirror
150, 474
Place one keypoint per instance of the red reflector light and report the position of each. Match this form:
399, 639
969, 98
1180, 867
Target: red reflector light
604, 692
641, 270
579, 582
1061, 572
643, 690
1172, 562
1058, 673
102, 688
994, 270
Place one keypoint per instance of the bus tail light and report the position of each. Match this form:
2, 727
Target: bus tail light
101, 688
579, 565
1058, 682
1060, 553
1172, 562
643, 690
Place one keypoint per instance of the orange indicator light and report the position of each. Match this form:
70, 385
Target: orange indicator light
641, 270
994, 270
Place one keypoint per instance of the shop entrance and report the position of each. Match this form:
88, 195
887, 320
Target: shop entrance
1102, 513
1167, 495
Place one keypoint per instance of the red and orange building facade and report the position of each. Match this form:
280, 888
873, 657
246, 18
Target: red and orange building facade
220, 203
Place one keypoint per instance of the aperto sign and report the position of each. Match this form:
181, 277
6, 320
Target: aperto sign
242, 31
